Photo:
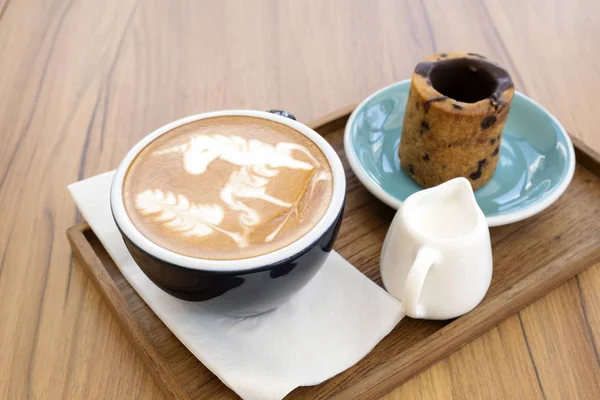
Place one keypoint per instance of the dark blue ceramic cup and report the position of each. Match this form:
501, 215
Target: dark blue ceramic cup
235, 287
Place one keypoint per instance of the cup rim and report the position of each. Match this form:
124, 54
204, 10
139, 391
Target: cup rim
127, 227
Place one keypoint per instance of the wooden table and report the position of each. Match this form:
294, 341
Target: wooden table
82, 81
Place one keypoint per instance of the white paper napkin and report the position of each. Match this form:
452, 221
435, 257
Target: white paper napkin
326, 328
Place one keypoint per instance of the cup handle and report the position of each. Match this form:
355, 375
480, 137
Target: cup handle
426, 257
282, 113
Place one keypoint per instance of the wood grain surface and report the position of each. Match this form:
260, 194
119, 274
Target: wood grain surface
82, 81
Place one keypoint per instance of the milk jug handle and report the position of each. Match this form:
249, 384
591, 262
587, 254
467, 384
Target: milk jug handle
426, 257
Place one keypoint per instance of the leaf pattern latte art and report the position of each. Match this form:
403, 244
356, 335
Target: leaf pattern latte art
258, 164
183, 216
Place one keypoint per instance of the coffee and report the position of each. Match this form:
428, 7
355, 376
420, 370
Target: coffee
228, 188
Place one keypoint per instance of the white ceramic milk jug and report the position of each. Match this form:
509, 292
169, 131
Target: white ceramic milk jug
437, 256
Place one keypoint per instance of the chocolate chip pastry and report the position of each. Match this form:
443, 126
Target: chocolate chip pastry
456, 109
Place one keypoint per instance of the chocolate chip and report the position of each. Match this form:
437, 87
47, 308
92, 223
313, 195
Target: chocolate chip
488, 121
557, 237
427, 103
426, 157
418, 108
493, 142
411, 168
457, 106
443, 55
424, 127
498, 137
496, 151
477, 174
444, 166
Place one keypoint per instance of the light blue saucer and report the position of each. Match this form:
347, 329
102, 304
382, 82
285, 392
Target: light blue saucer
536, 162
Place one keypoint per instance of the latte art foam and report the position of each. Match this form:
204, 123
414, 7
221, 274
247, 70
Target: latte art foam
228, 188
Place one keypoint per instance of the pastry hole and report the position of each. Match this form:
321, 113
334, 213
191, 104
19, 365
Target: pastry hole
463, 79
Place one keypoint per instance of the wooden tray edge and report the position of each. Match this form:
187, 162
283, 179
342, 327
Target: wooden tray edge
333, 120
586, 156
85, 254
381, 379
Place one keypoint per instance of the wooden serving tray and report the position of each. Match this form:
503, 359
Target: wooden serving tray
531, 258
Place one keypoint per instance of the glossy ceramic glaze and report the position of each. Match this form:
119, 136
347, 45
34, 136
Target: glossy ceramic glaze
437, 256
245, 286
536, 162
239, 293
